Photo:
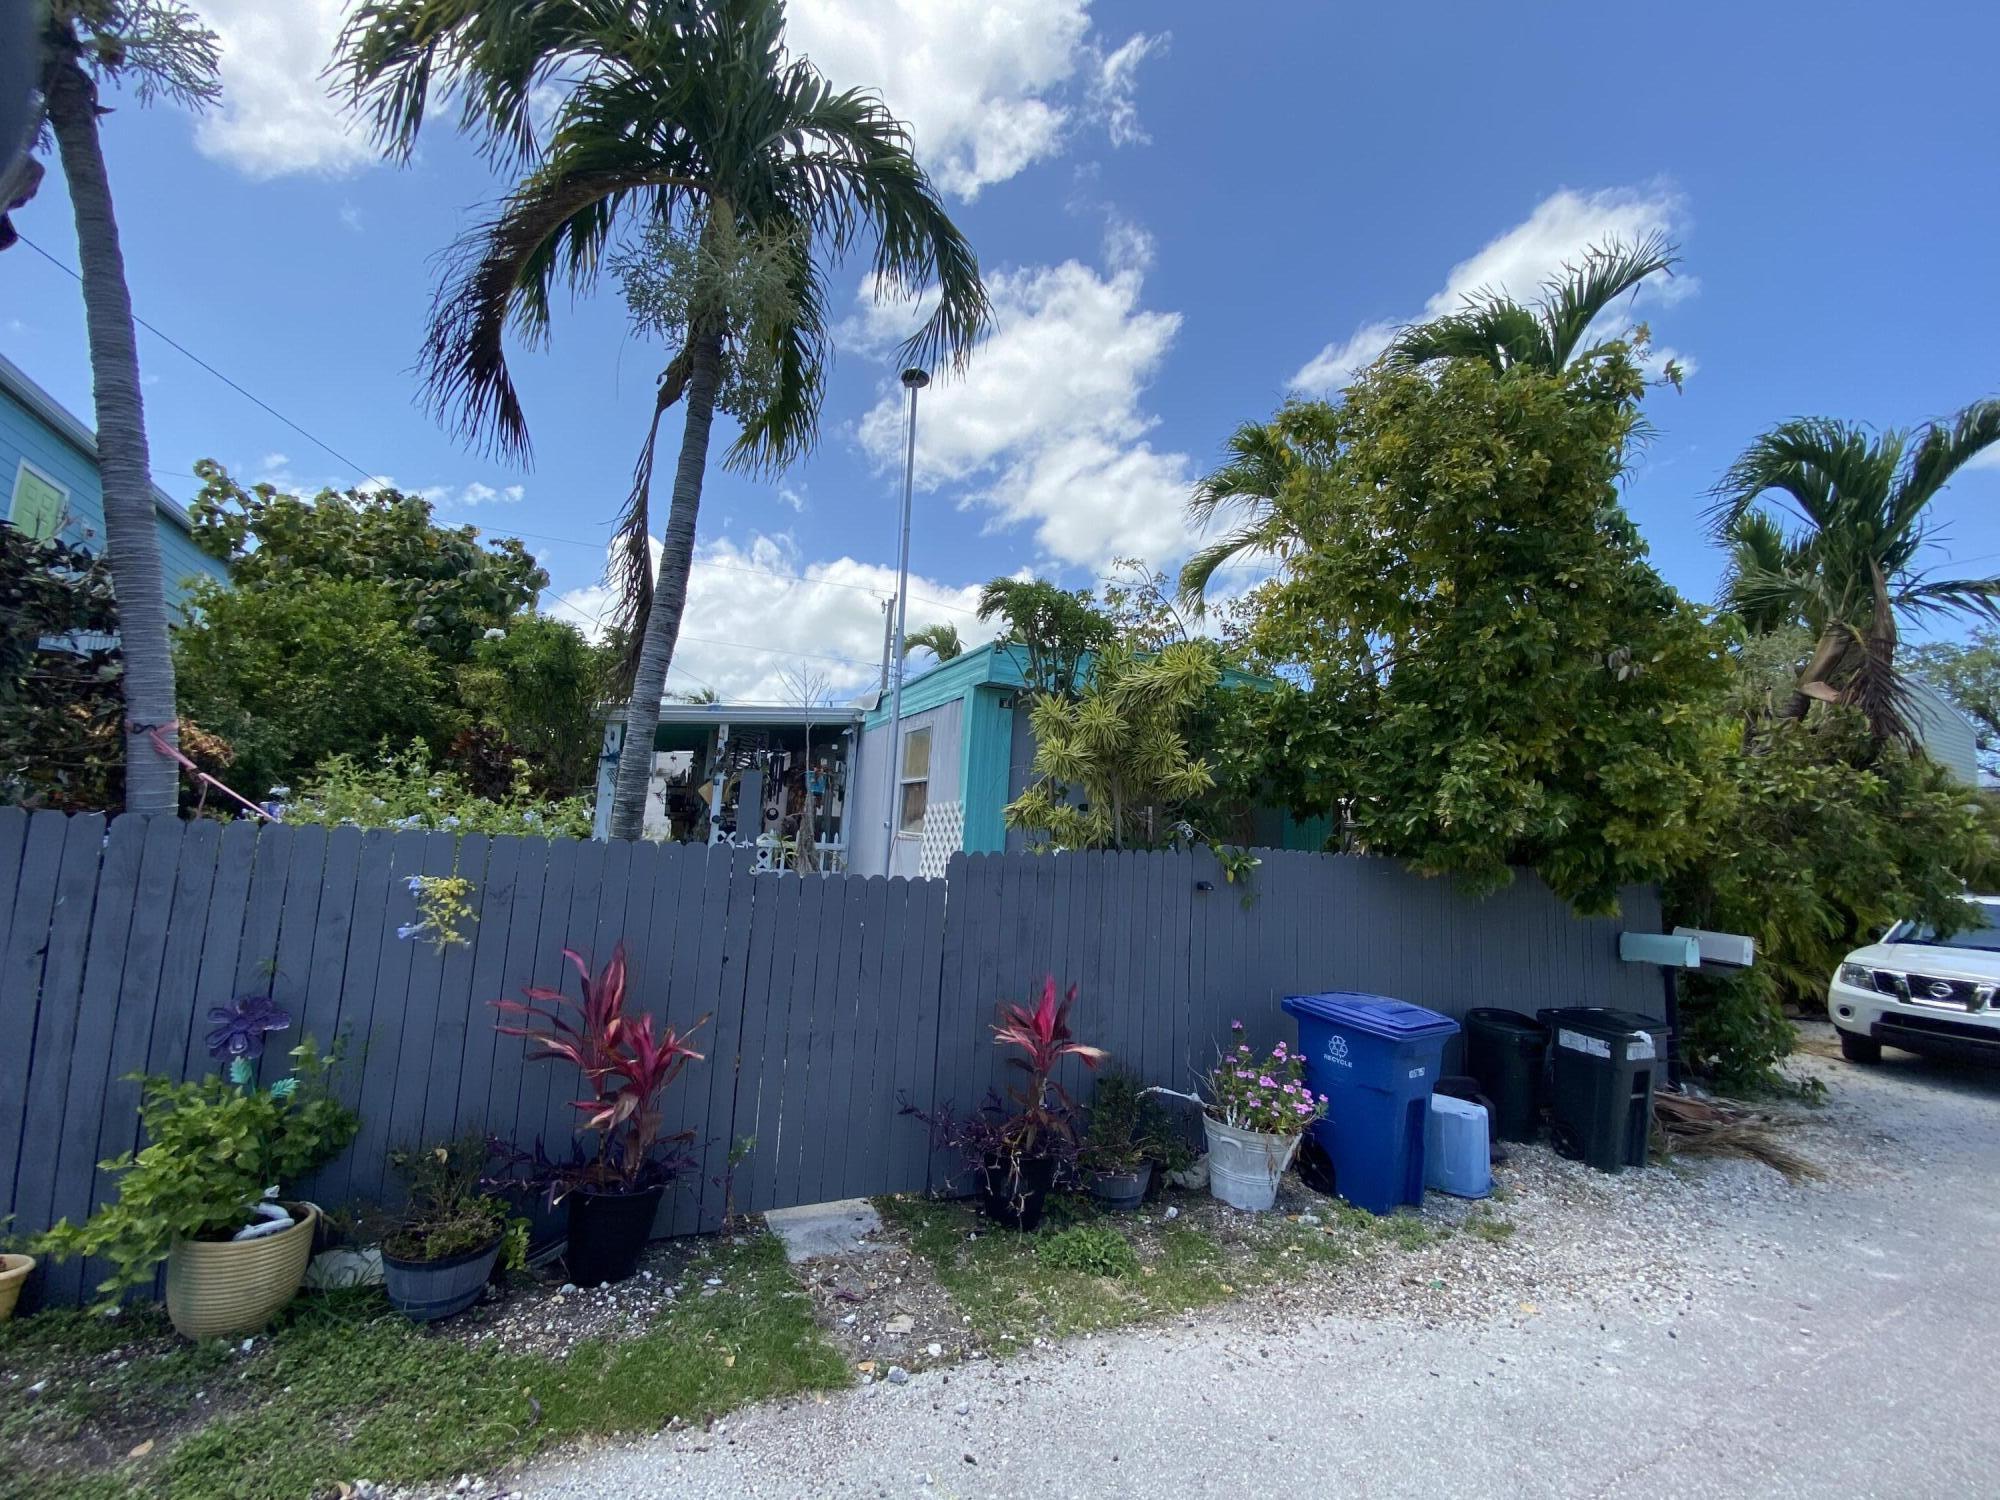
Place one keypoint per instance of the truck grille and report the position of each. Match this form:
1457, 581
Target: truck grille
1932, 989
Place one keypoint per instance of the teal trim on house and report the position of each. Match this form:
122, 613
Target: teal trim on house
47, 453
987, 738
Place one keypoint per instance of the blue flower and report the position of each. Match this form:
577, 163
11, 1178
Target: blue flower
416, 885
241, 1025
412, 929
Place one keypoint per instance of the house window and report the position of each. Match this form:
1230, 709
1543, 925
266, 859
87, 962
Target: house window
39, 503
915, 780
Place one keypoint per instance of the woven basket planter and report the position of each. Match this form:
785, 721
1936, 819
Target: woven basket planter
14, 1271
217, 1288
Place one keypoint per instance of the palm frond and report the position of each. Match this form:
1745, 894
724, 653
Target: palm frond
1946, 447
631, 571
1574, 300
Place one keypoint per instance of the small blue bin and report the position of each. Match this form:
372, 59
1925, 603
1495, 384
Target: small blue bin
1376, 1060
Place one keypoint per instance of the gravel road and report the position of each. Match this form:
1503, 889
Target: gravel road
1826, 1338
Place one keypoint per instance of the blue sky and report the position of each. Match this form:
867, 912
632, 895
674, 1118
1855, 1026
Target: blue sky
1186, 212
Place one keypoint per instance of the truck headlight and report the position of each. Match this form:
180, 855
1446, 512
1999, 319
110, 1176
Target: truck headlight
1860, 977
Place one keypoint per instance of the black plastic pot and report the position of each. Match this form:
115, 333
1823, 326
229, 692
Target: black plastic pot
426, 1290
608, 1233
1013, 1192
1122, 1189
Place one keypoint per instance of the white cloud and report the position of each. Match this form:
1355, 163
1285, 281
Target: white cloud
987, 90
1517, 263
795, 497
756, 610
1114, 90
1985, 458
277, 113
1047, 428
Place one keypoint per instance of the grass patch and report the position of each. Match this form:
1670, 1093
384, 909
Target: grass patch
1093, 1249
1014, 1292
347, 1389
1493, 1231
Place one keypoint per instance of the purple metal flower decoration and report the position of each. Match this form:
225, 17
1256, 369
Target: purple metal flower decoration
240, 1026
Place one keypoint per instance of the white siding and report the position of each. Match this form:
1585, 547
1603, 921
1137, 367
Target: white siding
1946, 733
865, 787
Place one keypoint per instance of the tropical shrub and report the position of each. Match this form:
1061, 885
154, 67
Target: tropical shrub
215, 1147
405, 790
1044, 1116
1267, 1095
1128, 1128
626, 1070
62, 741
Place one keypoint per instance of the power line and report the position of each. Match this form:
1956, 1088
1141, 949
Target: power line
174, 343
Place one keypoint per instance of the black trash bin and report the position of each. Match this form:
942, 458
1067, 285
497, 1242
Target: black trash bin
1602, 1065
1504, 1050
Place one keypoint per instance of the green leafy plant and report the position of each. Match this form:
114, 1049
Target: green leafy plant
443, 906
1268, 1095
447, 1212
215, 1147
1128, 1129
1089, 1250
405, 790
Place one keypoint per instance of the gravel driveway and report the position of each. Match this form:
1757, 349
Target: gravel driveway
1713, 1331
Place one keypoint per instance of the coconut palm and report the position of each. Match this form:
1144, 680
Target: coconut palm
157, 49
1544, 336
1858, 504
686, 115
940, 640
1759, 554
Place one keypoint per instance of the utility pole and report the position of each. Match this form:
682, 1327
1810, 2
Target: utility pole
914, 380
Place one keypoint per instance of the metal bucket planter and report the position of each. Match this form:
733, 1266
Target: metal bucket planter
217, 1288
426, 1290
1122, 1189
1244, 1165
14, 1271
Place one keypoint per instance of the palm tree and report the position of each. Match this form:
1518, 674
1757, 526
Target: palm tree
1262, 458
1759, 553
1860, 503
160, 49
1545, 336
940, 640
686, 115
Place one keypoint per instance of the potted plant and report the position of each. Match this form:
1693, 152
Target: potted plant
440, 1252
1129, 1136
1015, 1153
203, 1194
1254, 1112
614, 1187
14, 1270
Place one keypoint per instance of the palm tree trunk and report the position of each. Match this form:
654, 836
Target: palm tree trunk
132, 539
663, 620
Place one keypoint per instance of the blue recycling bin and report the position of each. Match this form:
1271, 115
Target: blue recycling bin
1375, 1059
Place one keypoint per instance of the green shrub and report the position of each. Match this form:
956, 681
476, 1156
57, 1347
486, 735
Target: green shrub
1090, 1250
406, 791
214, 1147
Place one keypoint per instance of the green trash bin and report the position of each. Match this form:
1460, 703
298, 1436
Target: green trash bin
1602, 1065
1506, 1052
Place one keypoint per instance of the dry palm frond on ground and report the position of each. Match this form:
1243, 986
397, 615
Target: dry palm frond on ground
1716, 1127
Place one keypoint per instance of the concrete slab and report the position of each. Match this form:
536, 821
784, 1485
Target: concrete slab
847, 1227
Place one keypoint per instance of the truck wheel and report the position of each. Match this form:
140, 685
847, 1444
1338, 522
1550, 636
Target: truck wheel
1860, 1049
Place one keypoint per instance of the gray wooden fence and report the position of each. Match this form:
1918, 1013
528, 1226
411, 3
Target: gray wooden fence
831, 1000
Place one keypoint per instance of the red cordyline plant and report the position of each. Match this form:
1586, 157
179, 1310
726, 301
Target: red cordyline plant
625, 1065
1045, 1111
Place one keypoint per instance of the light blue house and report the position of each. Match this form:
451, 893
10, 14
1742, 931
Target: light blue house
48, 463
966, 750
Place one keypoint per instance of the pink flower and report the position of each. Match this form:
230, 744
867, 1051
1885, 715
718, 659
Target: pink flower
1242, 1072
1268, 1081
1291, 1088
1304, 1109
1235, 1025
1244, 1048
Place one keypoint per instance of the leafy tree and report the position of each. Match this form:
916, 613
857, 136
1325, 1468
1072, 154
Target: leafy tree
1543, 337
940, 640
1264, 457
449, 587
403, 789
319, 666
159, 50
1488, 671
540, 684
1056, 630
60, 705
688, 116
1822, 838
1112, 765
1968, 673
1859, 504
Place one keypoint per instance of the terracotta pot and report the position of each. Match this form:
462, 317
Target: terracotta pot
14, 1271
218, 1288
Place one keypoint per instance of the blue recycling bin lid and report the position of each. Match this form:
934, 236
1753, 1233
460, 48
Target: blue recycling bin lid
1377, 1015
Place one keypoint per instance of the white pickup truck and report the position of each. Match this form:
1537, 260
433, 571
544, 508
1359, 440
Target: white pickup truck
1922, 991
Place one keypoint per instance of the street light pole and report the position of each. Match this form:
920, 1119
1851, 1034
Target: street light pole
914, 380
